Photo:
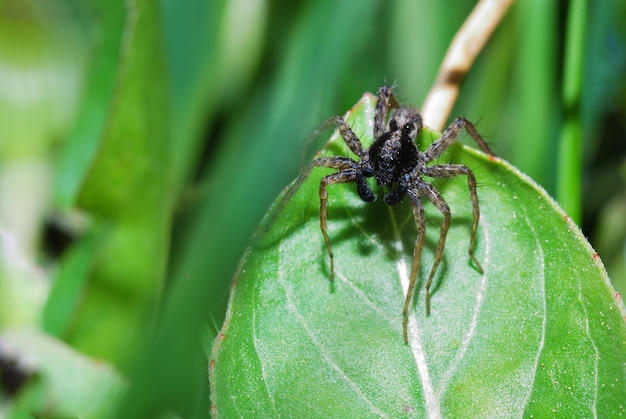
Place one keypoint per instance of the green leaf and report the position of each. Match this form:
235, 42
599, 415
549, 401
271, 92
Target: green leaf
540, 333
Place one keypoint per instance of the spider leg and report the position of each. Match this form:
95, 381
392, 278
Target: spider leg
451, 134
418, 215
340, 163
386, 100
395, 196
348, 175
453, 170
435, 197
348, 136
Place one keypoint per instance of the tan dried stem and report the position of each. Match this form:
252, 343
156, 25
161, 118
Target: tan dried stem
464, 49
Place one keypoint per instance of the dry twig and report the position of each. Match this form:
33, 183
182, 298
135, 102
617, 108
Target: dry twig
464, 49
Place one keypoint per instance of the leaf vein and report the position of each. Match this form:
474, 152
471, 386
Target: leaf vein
593, 407
431, 400
480, 296
368, 302
255, 343
292, 307
542, 282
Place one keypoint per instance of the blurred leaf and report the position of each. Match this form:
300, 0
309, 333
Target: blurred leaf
533, 92
63, 382
23, 286
611, 239
102, 25
41, 60
191, 30
41, 72
538, 334
570, 164
128, 191
70, 285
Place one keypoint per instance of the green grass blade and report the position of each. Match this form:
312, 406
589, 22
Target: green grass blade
569, 177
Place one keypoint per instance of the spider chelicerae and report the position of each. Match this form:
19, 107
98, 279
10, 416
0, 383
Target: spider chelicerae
395, 162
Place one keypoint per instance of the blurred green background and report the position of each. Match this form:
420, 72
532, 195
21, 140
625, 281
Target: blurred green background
142, 141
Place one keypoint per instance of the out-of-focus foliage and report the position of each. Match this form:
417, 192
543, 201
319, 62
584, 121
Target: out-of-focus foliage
142, 141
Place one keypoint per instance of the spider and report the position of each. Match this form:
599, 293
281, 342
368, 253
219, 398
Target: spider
395, 162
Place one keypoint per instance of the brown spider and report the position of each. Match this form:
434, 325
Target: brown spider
395, 162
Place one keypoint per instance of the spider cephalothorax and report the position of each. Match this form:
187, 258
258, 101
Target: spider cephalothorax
394, 154
395, 162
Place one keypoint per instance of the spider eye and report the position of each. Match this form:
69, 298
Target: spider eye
393, 125
406, 130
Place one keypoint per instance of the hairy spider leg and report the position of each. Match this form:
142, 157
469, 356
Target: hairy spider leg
433, 195
348, 136
452, 133
454, 170
418, 215
348, 172
343, 176
353, 142
386, 100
